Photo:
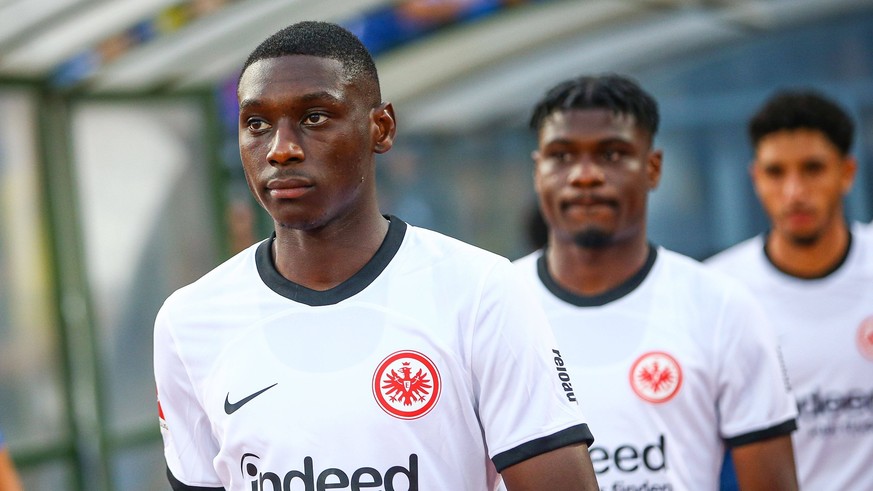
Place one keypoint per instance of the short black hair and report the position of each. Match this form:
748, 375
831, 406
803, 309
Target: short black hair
803, 109
619, 93
325, 40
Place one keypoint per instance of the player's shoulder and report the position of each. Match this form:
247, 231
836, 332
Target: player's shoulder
861, 253
453, 263
229, 276
431, 245
738, 254
700, 279
529, 261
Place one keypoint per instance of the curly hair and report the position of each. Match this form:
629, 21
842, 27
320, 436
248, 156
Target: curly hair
803, 109
618, 93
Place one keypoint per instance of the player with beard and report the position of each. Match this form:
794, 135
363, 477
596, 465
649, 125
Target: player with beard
813, 272
680, 358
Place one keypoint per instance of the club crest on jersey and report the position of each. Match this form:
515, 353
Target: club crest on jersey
406, 384
656, 377
865, 338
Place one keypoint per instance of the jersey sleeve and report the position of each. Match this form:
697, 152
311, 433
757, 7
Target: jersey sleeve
755, 400
188, 444
526, 399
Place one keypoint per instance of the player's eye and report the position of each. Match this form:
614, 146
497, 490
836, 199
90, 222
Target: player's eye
773, 171
612, 156
561, 156
314, 119
813, 167
257, 125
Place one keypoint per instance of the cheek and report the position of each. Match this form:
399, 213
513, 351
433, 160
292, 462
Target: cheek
547, 187
248, 150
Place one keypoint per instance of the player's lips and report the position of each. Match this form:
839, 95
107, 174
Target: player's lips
288, 188
799, 215
588, 201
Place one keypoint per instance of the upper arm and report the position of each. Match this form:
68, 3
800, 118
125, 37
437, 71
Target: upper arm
756, 405
766, 465
754, 397
565, 469
524, 394
189, 446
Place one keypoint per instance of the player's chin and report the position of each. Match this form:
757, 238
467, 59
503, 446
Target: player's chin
296, 219
804, 239
804, 235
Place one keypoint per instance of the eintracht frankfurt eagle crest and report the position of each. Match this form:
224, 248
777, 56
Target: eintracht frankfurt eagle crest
406, 384
656, 377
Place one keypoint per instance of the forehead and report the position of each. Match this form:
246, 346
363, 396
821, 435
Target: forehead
596, 124
796, 145
292, 76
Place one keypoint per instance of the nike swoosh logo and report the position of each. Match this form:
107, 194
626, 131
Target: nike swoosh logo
231, 408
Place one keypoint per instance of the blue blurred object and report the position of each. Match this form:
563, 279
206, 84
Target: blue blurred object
728, 478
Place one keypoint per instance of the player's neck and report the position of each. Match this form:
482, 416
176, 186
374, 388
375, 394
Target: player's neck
324, 258
812, 260
593, 271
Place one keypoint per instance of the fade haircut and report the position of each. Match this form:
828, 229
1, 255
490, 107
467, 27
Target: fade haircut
620, 94
790, 110
325, 40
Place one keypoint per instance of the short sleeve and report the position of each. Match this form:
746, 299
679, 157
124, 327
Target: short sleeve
188, 444
526, 399
755, 400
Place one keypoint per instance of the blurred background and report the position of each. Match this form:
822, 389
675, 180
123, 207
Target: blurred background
120, 178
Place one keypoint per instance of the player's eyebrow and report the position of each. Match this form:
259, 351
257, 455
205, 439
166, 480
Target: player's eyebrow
321, 95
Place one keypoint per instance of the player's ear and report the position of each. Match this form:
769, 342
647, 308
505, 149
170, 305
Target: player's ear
535, 156
384, 127
850, 167
653, 167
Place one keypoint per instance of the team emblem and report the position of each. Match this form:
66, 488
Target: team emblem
865, 337
656, 377
406, 385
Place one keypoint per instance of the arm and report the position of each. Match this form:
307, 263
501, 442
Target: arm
8, 477
766, 465
565, 469
755, 393
185, 427
534, 428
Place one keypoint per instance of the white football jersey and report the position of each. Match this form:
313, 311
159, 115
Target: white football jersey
433, 368
825, 328
675, 364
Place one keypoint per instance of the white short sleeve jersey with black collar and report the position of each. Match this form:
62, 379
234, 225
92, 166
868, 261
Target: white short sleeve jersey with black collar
676, 363
433, 368
825, 328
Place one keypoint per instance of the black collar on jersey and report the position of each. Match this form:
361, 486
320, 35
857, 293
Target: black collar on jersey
825, 274
604, 298
352, 286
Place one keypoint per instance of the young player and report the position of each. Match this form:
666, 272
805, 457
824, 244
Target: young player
813, 272
351, 350
678, 359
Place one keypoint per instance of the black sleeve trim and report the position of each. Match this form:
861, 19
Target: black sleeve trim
756, 436
569, 436
180, 486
